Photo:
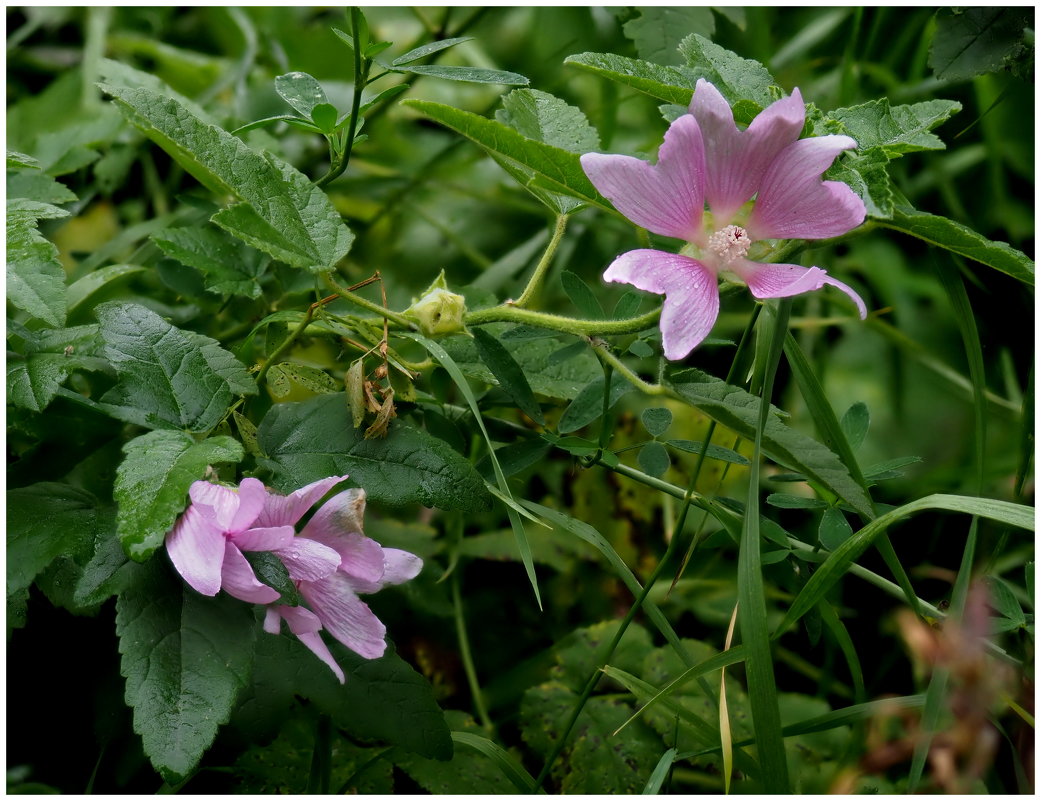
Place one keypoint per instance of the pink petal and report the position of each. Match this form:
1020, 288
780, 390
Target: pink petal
273, 619
794, 203
217, 502
251, 502
736, 160
321, 650
239, 580
786, 280
666, 198
691, 294
400, 566
359, 557
300, 620
305, 625
196, 548
263, 539
345, 616
307, 560
286, 510
343, 513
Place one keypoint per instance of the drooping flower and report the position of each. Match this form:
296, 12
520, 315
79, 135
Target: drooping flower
705, 158
364, 567
206, 544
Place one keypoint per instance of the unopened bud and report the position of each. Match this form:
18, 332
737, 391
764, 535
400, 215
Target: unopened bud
438, 313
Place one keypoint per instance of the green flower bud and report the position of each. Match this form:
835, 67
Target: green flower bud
438, 313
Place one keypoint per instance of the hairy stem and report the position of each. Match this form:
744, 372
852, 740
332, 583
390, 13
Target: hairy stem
535, 282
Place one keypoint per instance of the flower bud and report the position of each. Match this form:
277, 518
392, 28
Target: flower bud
438, 312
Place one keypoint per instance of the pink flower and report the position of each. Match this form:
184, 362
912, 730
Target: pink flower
206, 544
705, 158
364, 566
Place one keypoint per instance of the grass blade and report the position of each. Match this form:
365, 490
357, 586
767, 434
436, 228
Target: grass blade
511, 769
661, 771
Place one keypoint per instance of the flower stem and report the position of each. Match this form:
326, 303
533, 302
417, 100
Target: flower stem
535, 282
508, 313
357, 300
361, 78
467, 656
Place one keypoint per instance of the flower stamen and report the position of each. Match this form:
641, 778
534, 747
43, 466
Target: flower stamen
729, 244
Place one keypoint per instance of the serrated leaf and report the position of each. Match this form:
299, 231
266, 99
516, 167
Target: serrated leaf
1004, 600
16, 159
228, 266
957, 238
658, 31
588, 405
35, 278
185, 658
152, 484
168, 378
656, 420
738, 410
45, 521
282, 213
314, 439
428, 49
855, 423
898, 129
866, 174
301, 91
468, 74
834, 529
745, 83
672, 84
974, 41
548, 119
653, 459
508, 373
560, 170
35, 185
33, 378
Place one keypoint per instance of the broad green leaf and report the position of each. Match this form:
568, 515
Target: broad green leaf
282, 213
45, 521
866, 174
16, 159
557, 169
301, 91
314, 439
672, 84
745, 83
581, 295
855, 423
898, 129
653, 459
957, 238
185, 658
508, 373
35, 185
656, 420
107, 570
120, 74
974, 41
153, 480
324, 116
588, 405
658, 31
35, 278
229, 266
468, 74
310, 378
738, 411
713, 452
428, 49
383, 699
86, 286
835, 566
168, 378
548, 119
834, 529
33, 377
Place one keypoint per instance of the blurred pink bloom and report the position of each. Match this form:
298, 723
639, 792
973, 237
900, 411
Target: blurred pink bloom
363, 566
705, 158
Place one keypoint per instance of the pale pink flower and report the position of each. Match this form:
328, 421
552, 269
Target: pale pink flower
705, 158
364, 567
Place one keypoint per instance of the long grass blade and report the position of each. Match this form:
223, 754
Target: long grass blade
511, 769
660, 773
726, 741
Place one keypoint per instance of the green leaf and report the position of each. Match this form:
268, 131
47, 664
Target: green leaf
957, 238
92, 282
658, 31
272, 571
313, 439
782, 500
974, 41
152, 484
324, 116
653, 459
45, 521
16, 159
738, 411
745, 83
557, 169
855, 424
508, 373
185, 658
835, 566
428, 49
301, 91
168, 378
713, 452
889, 468
581, 295
503, 760
656, 420
660, 773
35, 185
229, 266
548, 119
282, 213
33, 378
866, 174
310, 378
672, 84
899, 129
834, 529
35, 278
1004, 600
468, 74
588, 405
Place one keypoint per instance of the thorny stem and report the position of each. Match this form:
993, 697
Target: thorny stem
535, 282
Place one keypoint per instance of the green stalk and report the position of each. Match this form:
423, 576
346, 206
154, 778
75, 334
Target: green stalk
512, 314
322, 758
466, 655
535, 282
361, 78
